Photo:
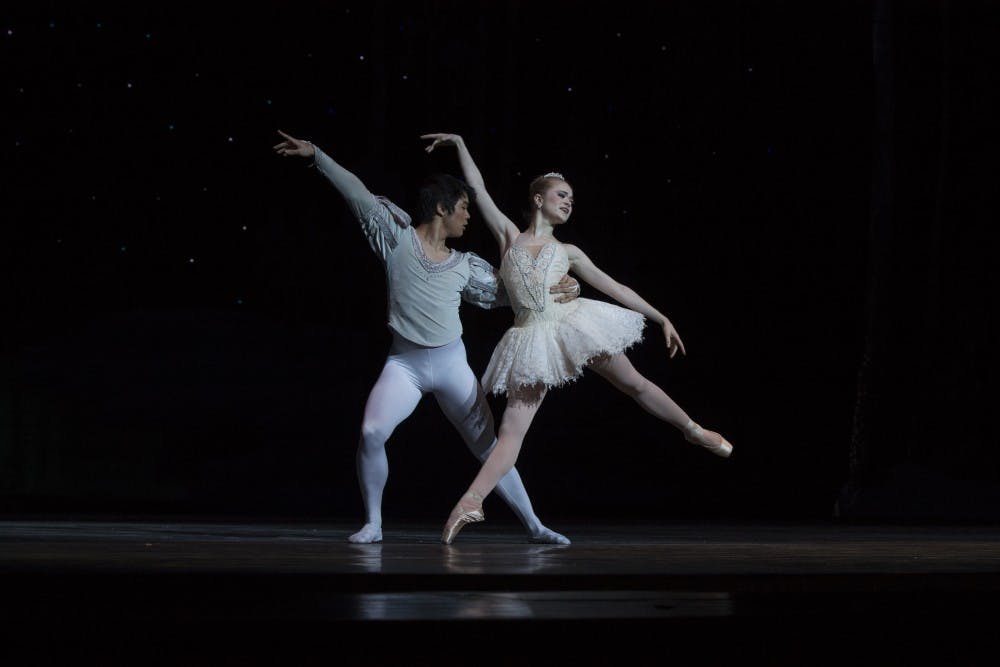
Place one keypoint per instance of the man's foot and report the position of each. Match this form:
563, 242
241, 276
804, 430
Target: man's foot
370, 532
544, 535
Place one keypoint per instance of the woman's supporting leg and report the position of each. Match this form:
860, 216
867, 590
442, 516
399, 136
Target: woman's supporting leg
463, 402
521, 408
390, 401
517, 417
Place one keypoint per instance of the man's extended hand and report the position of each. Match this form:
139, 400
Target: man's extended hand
567, 289
293, 146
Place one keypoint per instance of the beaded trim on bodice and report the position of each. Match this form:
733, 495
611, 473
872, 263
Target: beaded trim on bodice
530, 275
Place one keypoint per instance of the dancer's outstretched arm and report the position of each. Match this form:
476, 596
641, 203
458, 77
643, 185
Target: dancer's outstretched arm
354, 192
582, 266
503, 230
380, 220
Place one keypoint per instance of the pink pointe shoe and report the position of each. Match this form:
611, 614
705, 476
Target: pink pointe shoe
710, 440
464, 512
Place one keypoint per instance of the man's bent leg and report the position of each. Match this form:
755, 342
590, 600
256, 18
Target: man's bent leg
390, 401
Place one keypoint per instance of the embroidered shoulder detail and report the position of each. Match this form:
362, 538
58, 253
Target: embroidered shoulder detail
382, 216
449, 262
401, 217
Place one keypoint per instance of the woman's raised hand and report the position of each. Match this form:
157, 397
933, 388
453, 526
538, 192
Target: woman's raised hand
293, 146
441, 139
673, 340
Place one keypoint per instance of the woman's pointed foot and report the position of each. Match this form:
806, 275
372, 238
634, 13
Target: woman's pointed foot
710, 440
468, 510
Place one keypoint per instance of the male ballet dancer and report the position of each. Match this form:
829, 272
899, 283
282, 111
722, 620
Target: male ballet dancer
426, 283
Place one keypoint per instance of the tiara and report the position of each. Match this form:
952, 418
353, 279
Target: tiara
554, 174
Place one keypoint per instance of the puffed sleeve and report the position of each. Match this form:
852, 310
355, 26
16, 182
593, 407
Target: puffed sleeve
383, 224
381, 221
484, 289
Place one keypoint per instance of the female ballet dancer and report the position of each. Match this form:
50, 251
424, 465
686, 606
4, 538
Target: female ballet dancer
551, 343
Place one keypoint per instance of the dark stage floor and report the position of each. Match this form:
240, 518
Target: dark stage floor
241, 593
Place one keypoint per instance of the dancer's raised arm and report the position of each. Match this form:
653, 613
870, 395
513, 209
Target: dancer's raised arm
504, 231
354, 192
381, 220
585, 268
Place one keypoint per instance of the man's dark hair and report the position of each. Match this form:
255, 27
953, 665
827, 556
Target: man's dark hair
441, 189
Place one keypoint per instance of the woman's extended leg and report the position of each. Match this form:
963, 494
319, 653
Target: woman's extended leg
521, 408
620, 372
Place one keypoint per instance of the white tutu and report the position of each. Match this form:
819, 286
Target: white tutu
553, 348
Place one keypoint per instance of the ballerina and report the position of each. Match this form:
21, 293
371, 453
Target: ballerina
552, 343
426, 281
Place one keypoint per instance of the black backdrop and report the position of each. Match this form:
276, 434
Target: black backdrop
196, 322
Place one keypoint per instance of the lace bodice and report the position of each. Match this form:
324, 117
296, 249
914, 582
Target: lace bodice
528, 280
551, 342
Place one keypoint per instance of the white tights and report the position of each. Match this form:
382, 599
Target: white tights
410, 372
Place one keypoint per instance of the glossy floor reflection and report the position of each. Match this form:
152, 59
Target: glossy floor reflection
660, 550
301, 594
478, 605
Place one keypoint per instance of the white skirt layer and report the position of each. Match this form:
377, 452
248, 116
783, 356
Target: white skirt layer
555, 351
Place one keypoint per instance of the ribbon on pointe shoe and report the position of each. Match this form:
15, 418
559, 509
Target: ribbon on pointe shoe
465, 516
